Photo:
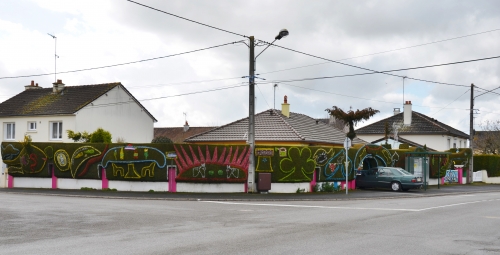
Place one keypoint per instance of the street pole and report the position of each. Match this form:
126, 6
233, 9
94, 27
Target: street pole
251, 117
471, 134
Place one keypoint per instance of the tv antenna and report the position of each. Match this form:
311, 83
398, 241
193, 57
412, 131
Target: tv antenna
275, 86
55, 56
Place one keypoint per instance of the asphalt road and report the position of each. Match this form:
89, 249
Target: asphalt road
52, 224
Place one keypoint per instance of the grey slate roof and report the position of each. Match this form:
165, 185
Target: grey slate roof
42, 101
177, 134
420, 125
271, 125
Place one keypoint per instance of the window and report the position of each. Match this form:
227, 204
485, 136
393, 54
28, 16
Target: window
56, 130
31, 125
454, 145
449, 143
10, 131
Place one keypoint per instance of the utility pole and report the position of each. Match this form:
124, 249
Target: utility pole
471, 134
251, 117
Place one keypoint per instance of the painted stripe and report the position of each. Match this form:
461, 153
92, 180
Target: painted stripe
313, 206
351, 208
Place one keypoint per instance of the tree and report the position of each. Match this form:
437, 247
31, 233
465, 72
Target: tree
98, 136
161, 139
387, 131
351, 118
488, 140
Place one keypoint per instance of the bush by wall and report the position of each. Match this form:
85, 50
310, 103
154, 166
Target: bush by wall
490, 163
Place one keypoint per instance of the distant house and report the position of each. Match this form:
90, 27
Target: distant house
179, 134
275, 127
415, 129
45, 114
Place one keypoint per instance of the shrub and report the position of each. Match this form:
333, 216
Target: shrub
86, 188
327, 187
404, 146
490, 163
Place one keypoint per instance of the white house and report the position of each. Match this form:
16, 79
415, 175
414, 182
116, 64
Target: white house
46, 113
417, 129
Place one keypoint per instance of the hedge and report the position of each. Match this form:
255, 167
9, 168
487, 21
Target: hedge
490, 163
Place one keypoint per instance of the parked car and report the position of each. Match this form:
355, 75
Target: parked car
395, 178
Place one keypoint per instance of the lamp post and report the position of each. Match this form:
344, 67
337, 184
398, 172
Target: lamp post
251, 108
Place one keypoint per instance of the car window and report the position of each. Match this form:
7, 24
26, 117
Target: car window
396, 172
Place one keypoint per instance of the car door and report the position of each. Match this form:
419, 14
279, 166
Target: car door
371, 178
384, 178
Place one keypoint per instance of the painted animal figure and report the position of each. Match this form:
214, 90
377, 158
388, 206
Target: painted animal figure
232, 172
199, 171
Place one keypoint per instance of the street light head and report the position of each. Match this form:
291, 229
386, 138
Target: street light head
283, 33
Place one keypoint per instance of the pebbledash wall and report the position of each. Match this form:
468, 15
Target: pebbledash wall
189, 167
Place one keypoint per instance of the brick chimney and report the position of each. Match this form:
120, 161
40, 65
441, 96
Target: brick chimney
407, 113
32, 86
397, 111
285, 108
58, 86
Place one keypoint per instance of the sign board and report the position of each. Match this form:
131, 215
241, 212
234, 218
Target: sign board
477, 176
347, 143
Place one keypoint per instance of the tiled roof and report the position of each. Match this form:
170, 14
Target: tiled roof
420, 125
43, 101
403, 140
271, 125
177, 134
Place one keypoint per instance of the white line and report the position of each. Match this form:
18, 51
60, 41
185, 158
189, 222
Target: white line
313, 206
351, 208
464, 203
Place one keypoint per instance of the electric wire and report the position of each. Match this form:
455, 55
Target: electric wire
432, 114
190, 20
381, 52
388, 71
121, 64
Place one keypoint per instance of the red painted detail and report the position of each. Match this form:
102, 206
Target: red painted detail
33, 158
93, 161
228, 158
214, 157
313, 182
222, 155
460, 175
195, 159
186, 157
179, 161
241, 157
202, 159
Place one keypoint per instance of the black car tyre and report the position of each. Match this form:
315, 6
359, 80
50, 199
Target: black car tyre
396, 186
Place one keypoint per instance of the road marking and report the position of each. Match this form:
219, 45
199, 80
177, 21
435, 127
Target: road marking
492, 217
352, 208
313, 206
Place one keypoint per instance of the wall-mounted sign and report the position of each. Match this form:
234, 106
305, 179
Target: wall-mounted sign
171, 154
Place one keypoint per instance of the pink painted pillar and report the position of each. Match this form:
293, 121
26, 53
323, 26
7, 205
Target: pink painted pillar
10, 181
313, 182
460, 174
442, 180
342, 184
246, 187
352, 184
54, 179
105, 182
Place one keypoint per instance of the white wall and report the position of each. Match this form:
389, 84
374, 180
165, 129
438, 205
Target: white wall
210, 187
137, 186
42, 132
125, 119
28, 182
437, 142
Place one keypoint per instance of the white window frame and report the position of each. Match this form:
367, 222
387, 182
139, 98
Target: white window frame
30, 128
59, 133
12, 134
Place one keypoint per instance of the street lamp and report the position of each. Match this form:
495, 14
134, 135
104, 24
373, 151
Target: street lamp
251, 109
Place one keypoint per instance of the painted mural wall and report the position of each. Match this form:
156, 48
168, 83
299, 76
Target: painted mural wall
128, 162
203, 163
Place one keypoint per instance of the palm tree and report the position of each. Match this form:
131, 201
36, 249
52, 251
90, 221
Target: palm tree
351, 117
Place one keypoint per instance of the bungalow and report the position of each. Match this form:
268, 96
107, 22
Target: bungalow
45, 114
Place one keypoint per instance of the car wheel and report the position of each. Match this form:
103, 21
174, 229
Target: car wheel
406, 189
396, 186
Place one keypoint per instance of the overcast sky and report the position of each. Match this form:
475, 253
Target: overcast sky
377, 35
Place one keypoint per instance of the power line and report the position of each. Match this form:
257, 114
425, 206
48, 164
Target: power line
178, 95
432, 114
381, 52
388, 71
190, 20
121, 64
367, 69
181, 83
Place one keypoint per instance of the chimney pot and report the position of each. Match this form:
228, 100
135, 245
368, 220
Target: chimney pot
286, 99
285, 108
59, 81
32, 83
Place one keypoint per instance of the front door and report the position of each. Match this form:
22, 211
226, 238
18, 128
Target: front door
172, 173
